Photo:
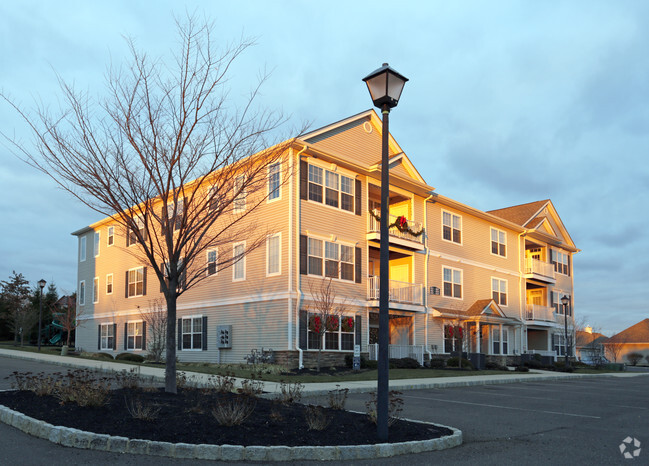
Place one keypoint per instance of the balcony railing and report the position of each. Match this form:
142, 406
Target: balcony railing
375, 227
398, 352
537, 267
400, 292
538, 312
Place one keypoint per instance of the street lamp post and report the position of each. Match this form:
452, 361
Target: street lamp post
385, 86
41, 284
564, 301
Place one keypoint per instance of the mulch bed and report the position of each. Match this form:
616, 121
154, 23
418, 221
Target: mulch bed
187, 418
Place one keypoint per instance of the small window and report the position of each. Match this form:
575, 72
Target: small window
95, 290
334, 189
136, 282
340, 333
315, 257
131, 239
273, 255
175, 213
82, 292
495, 340
451, 227
212, 255
134, 335
213, 198
192, 333
452, 282
274, 181
107, 336
109, 283
240, 194
315, 183
110, 238
96, 245
499, 291
239, 268
498, 242
82, 249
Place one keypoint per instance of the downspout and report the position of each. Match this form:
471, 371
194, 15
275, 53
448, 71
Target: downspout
298, 287
427, 346
291, 165
521, 289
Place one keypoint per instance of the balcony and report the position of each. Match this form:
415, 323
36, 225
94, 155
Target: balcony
397, 236
400, 292
536, 312
539, 270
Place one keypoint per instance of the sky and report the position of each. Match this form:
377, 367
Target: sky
508, 102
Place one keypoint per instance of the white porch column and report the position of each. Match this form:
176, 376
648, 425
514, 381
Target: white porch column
478, 337
500, 329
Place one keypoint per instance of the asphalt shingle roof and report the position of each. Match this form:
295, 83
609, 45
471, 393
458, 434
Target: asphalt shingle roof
638, 333
519, 214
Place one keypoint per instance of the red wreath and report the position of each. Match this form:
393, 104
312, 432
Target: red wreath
402, 223
459, 332
315, 324
454, 332
332, 323
347, 324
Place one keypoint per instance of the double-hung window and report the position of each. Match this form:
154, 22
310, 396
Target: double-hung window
499, 291
175, 214
495, 339
134, 335
82, 249
338, 259
498, 242
110, 237
131, 238
560, 262
212, 255
274, 171
107, 336
135, 282
334, 189
239, 194
192, 333
239, 257
339, 334
273, 255
82, 292
451, 227
97, 243
452, 282
505, 340
559, 343
109, 283
95, 290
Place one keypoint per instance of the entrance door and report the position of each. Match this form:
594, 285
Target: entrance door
535, 297
400, 331
400, 273
400, 209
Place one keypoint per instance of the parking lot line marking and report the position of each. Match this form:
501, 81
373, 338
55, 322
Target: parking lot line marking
632, 407
491, 393
501, 407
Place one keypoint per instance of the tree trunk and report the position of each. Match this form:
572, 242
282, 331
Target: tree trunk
170, 365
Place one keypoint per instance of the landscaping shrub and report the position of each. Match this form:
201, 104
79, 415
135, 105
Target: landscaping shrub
437, 363
492, 365
234, 411
395, 407
534, 364
133, 357
221, 383
83, 387
634, 358
253, 386
522, 369
365, 363
290, 392
316, 418
455, 361
138, 410
97, 355
128, 379
338, 397
404, 363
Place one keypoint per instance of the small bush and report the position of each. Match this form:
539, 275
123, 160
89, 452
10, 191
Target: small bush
404, 363
371, 364
253, 386
455, 361
338, 397
139, 410
316, 418
395, 407
534, 364
97, 356
290, 392
522, 369
221, 383
83, 388
133, 357
128, 379
634, 358
492, 365
365, 363
234, 411
437, 363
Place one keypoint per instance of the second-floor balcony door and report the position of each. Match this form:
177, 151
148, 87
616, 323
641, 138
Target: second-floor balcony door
535, 297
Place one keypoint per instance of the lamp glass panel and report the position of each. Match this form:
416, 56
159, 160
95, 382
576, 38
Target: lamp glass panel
395, 86
377, 86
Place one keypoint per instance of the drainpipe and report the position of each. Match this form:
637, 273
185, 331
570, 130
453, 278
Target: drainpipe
291, 165
298, 301
521, 290
430, 354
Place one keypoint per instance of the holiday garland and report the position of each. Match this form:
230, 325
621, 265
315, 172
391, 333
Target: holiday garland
401, 224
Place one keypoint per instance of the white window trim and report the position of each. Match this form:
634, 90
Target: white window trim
327, 239
171, 206
138, 221
338, 332
82, 296
134, 340
112, 284
279, 255
506, 290
216, 267
461, 228
461, 282
279, 187
101, 337
82, 249
234, 263
241, 198
110, 234
197, 316
96, 246
95, 290
128, 283
339, 171
505, 243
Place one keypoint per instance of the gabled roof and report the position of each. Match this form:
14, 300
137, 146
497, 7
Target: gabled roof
638, 333
520, 214
480, 308
590, 339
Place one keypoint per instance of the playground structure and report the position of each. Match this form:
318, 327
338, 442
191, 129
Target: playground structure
54, 333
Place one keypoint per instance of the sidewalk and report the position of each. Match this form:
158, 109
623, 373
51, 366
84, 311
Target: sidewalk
312, 389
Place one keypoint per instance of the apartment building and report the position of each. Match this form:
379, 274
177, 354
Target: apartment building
498, 275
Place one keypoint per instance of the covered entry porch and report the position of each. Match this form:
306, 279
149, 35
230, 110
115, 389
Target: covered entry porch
401, 336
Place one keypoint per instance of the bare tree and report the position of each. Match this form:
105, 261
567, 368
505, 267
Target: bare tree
155, 318
326, 312
68, 315
169, 159
614, 347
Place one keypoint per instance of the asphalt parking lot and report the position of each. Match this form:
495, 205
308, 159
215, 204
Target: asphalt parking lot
573, 422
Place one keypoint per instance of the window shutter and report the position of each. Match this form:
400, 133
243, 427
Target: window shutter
99, 336
125, 337
126, 285
568, 272
303, 329
180, 334
204, 345
128, 236
358, 265
304, 259
304, 179
357, 195
114, 337
144, 335
144, 281
358, 331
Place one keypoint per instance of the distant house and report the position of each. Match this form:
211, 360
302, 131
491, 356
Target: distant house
589, 346
634, 339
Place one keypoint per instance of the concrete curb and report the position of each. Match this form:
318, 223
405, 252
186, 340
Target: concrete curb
75, 438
